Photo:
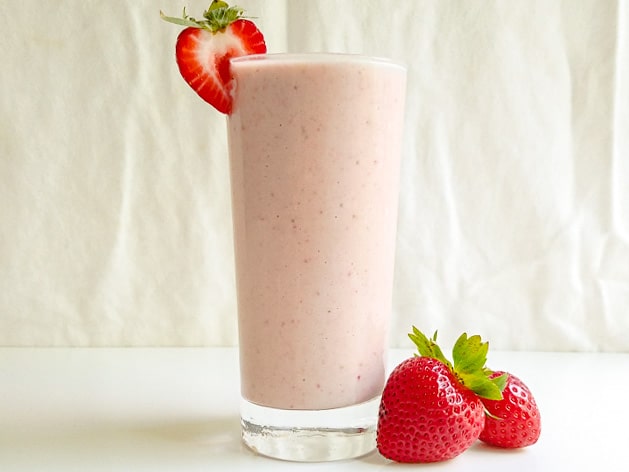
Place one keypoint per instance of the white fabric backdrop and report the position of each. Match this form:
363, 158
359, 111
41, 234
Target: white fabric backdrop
514, 213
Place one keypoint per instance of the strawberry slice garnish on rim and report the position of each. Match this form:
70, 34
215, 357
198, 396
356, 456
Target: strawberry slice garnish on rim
205, 47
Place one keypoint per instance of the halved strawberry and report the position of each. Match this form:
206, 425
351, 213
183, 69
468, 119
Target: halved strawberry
205, 47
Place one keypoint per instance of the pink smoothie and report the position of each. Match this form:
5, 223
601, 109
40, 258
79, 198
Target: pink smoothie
315, 145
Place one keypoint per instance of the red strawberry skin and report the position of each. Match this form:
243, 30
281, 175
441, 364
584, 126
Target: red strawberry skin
519, 423
203, 58
425, 414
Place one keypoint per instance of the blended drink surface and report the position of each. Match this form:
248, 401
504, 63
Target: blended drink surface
315, 144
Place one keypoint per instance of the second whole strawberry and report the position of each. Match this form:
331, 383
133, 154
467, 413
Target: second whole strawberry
514, 421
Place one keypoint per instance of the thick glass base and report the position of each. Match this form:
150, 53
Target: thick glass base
310, 435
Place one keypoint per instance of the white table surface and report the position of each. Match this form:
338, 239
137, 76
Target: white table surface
176, 409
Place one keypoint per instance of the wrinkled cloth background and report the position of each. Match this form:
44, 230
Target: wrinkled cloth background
115, 223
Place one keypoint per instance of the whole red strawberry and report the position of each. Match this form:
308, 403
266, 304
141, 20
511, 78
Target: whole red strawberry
514, 421
205, 47
426, 415
430, 409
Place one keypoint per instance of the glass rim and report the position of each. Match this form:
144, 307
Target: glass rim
317, 57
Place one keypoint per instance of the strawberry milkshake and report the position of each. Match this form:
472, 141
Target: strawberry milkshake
315, 145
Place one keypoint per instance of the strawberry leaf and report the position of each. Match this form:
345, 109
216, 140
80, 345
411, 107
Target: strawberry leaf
501, 381
428, 347
217, 17
480, 385
184, 21
469, 354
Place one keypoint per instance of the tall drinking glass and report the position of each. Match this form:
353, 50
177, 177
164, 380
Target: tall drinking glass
315, 145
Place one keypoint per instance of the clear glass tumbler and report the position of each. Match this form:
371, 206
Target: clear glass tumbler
315, 145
